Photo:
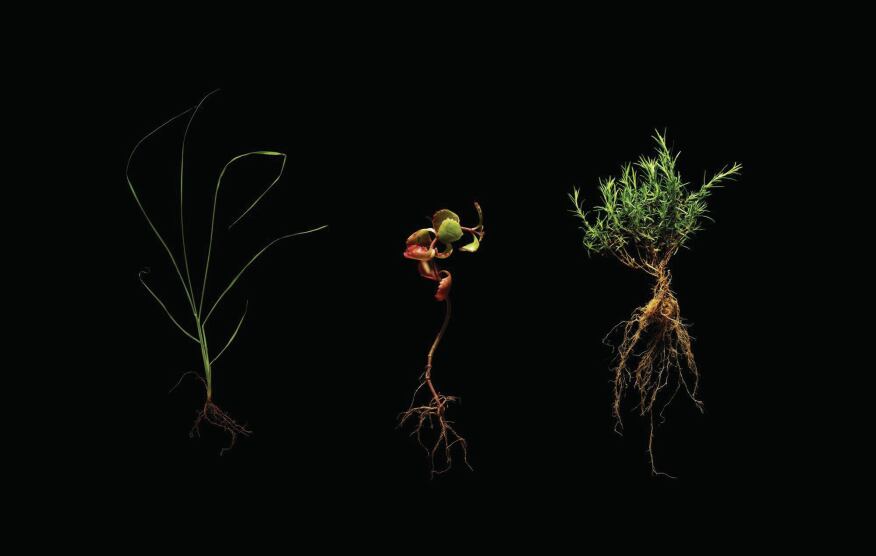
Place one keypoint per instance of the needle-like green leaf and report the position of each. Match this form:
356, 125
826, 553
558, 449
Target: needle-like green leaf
647, 209
252, 260
265, 192
216, 199
189, 295
163, 306
233, 335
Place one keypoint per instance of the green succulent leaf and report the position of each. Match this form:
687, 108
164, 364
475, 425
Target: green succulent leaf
449, 231
439, 217
473, 246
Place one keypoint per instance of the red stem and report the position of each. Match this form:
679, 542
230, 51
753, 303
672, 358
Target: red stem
428, 375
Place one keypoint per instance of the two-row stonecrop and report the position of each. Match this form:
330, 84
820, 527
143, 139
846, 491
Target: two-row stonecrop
196, 298
429, 247
647, 214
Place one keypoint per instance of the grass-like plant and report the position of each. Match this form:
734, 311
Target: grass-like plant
428, 246
647, 214
197, 300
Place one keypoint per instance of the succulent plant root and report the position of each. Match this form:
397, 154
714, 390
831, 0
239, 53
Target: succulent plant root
433, 415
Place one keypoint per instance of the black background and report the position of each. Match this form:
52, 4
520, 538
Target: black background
339, 322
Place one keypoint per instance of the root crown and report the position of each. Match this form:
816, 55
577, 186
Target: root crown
441, 451
214, 415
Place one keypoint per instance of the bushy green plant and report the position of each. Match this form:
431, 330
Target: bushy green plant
197, 299
647, 214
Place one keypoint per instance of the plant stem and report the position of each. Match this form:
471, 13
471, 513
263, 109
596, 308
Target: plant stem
661, 288
428, 375
205, 356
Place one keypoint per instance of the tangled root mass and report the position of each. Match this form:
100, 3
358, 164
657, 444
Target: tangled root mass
655, 357
214, 415
432, 416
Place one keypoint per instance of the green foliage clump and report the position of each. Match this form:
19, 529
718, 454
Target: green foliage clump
648, 212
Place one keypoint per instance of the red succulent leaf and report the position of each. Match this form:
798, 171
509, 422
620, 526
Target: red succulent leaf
444, 254
419, 252
420, 237
444, 286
